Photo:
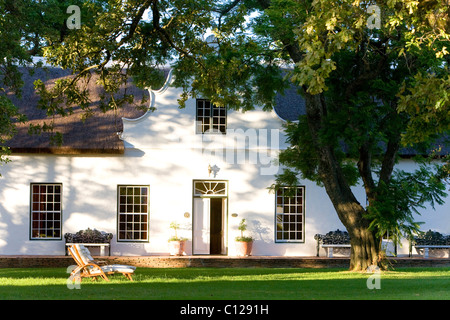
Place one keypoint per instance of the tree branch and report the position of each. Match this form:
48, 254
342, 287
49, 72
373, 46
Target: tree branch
365, 170
136, 19
166, 36
225, 10
387, 165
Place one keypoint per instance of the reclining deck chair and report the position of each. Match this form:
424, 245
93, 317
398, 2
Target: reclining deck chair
88, 267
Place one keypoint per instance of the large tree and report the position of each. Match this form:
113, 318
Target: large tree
369, 91
368, 87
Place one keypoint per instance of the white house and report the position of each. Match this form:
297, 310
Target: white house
203, 167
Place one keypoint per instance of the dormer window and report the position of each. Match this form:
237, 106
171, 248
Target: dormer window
210, 118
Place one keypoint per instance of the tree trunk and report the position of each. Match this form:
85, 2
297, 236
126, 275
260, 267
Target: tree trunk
364, 250
364, 245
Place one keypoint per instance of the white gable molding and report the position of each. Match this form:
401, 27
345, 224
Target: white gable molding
279, 117
153, 94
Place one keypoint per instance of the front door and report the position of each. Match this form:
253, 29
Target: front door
209, 217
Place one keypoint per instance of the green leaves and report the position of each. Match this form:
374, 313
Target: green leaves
427, 101
400, 200
9, 117
328, 28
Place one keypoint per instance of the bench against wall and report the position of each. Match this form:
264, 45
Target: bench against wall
332, 240
90, 238
430, 240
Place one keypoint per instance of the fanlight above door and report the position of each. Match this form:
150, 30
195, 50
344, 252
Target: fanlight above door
210, 188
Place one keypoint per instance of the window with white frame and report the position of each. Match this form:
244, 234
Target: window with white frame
133, 212
210, 118
46, 211
290, 214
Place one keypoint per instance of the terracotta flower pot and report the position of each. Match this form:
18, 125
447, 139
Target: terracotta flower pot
177, 248
244, 248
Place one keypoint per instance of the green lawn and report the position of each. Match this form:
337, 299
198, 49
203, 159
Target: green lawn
229, 284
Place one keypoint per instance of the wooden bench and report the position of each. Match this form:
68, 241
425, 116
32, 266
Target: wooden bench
430, 240
90, 238
332, 240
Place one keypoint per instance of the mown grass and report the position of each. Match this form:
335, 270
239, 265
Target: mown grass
229, 284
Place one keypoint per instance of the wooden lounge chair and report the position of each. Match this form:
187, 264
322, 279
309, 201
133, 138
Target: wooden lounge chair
87, 267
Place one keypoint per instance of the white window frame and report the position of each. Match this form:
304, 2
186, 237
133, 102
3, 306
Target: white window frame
46, 209
209, 118
290, 216
133, 213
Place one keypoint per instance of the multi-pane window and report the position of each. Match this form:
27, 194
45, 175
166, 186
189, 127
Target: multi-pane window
133, 213
46, 210
210, 118
290, 214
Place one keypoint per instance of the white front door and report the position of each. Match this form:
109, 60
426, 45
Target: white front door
201, 226
209, 216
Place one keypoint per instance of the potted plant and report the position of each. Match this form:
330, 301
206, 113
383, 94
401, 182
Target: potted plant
243, 244
176, 244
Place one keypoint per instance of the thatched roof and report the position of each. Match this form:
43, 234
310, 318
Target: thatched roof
97, 134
